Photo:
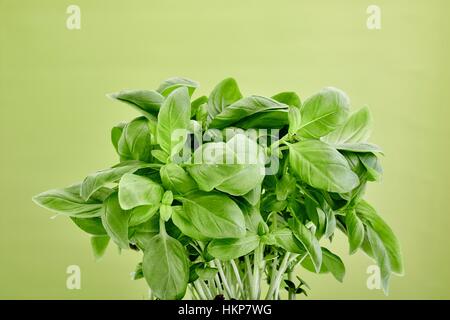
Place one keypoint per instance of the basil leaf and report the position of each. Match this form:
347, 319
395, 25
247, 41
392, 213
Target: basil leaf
359, 147
330, 263
173, 121
285, 239
323, 112
356, 129
135, 141
177, 180
244, 108
92, 226
288, 98
211, 215
321, 166
116, 133
68, 202
309, 242
115, 221
205, 273
380, 254
137, 191
144, 232
252, 215
223, 95
146, 102
253, 195
165, 267
227, 249
237, 178
265, 120
295, 119
373, 221
141, 214
355, 230
98, 179
170, 85
285, 186
197, 103
372, 165
99, 245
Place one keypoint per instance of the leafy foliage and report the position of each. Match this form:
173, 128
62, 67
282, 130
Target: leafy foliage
193, 193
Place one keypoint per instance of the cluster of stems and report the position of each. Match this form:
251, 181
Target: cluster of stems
252, 277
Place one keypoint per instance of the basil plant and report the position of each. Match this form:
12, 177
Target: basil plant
231, 197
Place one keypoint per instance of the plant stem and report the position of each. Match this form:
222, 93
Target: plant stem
249, 275
275, 284
224, 279
200, 291
255, 284
238, 276
291, 293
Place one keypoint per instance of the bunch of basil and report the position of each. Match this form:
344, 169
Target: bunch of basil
226, 229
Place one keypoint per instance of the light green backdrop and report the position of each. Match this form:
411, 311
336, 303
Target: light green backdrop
55, 119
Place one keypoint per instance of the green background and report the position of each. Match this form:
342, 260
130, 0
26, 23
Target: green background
55, 118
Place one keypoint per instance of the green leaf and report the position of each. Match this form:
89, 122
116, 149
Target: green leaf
333, 264
165, 212
295, 119
289, 98
265, 120
286, 240
244, 108
98, 179
223, 95
253, 196
177, 180
99, 245
205, 273
165, 266
197, 103
235, 167
330, 263
373, 221
173, 121
359, 147
144, 232
356, 129
380, 254
138, 273
285, 186
170, 85
309, 242
324, 112
227, 249
372, 165
137, 191
321, 166
252, 215
115, 221
116, 133
146, 102
141, 214
211, 215
68, 202
135, 142
92, 226
355, 230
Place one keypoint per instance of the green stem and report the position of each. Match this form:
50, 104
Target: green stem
291, 293
238, 276
249, 275
224, 279
200, 291
274, 285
